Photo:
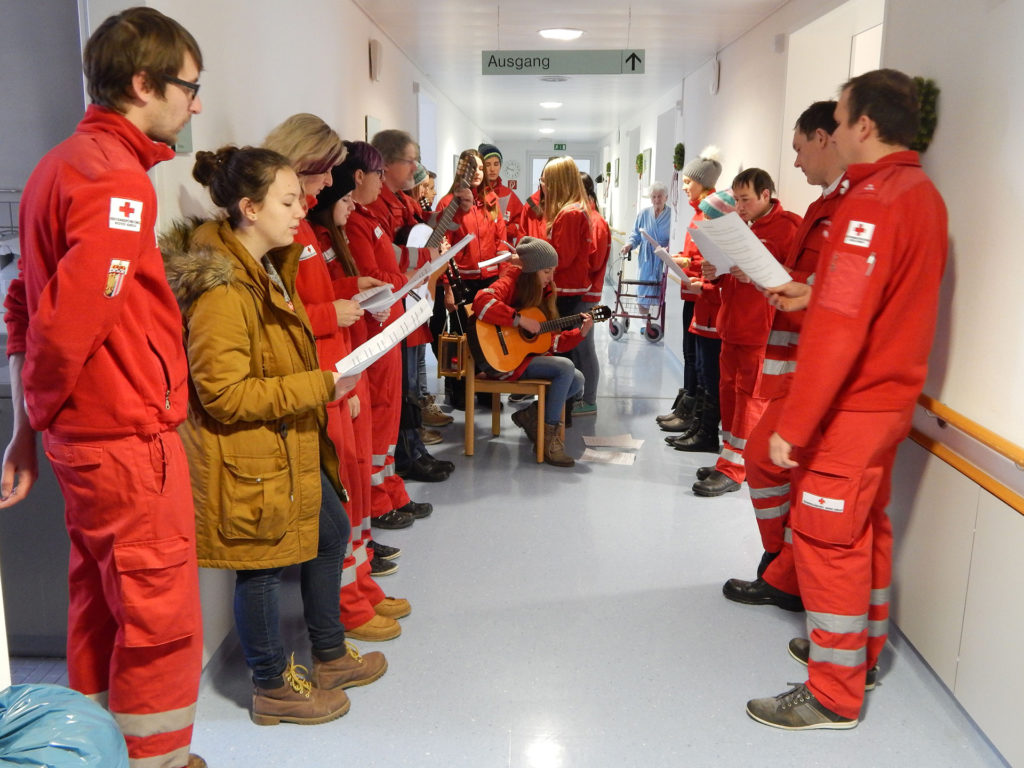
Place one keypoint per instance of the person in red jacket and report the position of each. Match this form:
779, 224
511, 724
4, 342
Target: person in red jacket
531, 286
567, 212
509, 204
531, 220
314, 149
860, 367
101, 372
776, 582
602, 243
744, 322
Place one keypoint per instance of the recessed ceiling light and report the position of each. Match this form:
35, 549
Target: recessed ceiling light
547, 130
551, 104
546, 119
560, 34
554, 78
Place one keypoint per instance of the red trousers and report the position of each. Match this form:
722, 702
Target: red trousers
740, 366
387, 489
842, 545
770, 494
134, 622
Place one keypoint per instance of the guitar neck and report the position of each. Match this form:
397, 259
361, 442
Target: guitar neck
441, 227
560, 324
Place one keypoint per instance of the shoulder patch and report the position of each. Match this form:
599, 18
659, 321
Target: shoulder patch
125, 214
378, 232
307, 253
859, 233
329, 255
115, 277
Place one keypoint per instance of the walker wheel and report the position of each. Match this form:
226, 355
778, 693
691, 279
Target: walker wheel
615, 328
653, 333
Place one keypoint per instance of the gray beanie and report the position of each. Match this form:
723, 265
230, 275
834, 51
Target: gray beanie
536, 254
705, 169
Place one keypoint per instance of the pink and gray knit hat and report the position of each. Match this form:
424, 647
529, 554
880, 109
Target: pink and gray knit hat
718, 204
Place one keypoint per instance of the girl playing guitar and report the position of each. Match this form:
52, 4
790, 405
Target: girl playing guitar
502, 304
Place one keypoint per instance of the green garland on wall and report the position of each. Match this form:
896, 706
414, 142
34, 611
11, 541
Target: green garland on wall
640, 164
679, 157
928, 101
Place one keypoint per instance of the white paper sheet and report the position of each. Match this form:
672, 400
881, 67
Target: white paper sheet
375, 299
731, 235
666, 257
608, 457
420, 275
503, 256
363, 356
613, 441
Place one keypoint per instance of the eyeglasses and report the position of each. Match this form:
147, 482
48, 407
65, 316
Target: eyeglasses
378, 171
192, 88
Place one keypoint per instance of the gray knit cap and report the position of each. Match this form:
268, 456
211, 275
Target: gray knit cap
536, 254
705, 169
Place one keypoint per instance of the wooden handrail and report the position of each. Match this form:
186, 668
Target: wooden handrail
982, 478
971, 428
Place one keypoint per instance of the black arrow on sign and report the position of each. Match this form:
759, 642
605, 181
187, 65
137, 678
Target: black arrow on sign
633, 60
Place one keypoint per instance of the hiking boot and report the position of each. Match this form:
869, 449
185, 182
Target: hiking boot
526, 419
703, 472
430, 436
381, 567
383, 551
554, 448
376, 630
432, 414
392, 520
297, 701
417, 509
700, 442
393, 607
800, 649
348, 670
797, 710
195, 761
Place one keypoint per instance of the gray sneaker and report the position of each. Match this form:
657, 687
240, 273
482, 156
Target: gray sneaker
800, 649
797, 710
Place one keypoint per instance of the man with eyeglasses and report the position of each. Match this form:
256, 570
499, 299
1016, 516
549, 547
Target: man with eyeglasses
97, 366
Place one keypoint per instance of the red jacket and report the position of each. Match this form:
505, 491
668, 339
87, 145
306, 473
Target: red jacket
492, 306
485, 245
530, 223
91, 309
509, 202
802, 260
709, 300
868, 331
602, 248
573, 241
374, 256
746, 316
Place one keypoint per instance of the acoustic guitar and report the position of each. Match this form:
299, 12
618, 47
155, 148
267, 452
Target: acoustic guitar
505, 347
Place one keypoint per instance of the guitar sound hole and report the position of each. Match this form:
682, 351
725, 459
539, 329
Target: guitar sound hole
527, 335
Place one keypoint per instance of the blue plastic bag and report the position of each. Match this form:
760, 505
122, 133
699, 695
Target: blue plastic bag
50, 726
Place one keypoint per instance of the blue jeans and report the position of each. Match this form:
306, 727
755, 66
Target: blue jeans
257, 599
584, 354
566, 382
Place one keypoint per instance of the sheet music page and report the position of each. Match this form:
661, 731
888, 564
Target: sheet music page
666, 258
613, 441
363, 356
374, 299
732, 235
608, 457
503, 256
421, 274
711, 252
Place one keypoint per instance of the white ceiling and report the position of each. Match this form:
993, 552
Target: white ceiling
444, 39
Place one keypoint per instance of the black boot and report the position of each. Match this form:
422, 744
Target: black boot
705, 438
685, 417
687, 425
677, 406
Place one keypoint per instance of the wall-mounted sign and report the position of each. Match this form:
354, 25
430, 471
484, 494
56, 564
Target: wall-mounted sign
560, 147
556, 62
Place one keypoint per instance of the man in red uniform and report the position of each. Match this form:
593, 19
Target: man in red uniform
776, 582
744, 322
97, 366
861, 365
508, 201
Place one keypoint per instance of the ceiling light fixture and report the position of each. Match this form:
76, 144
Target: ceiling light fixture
560, 34
554, 78
547, 130
551, 104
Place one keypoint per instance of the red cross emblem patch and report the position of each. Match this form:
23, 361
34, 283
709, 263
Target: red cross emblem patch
859, 233
125, 214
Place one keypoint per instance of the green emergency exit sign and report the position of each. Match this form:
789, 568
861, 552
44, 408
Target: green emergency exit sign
560, 147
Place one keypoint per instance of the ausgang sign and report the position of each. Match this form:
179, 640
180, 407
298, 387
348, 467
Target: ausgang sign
617, 62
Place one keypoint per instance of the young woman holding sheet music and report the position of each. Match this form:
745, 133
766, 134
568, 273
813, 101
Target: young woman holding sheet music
506, 303
314, 149
265, 482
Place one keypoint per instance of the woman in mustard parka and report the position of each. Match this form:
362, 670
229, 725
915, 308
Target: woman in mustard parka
264, 475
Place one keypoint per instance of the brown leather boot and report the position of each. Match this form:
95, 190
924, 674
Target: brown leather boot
526, 418
195, 761
376, 630
348, 670
297, 701
554, 448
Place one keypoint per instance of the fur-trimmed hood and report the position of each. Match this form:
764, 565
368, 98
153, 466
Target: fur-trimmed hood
193, 267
